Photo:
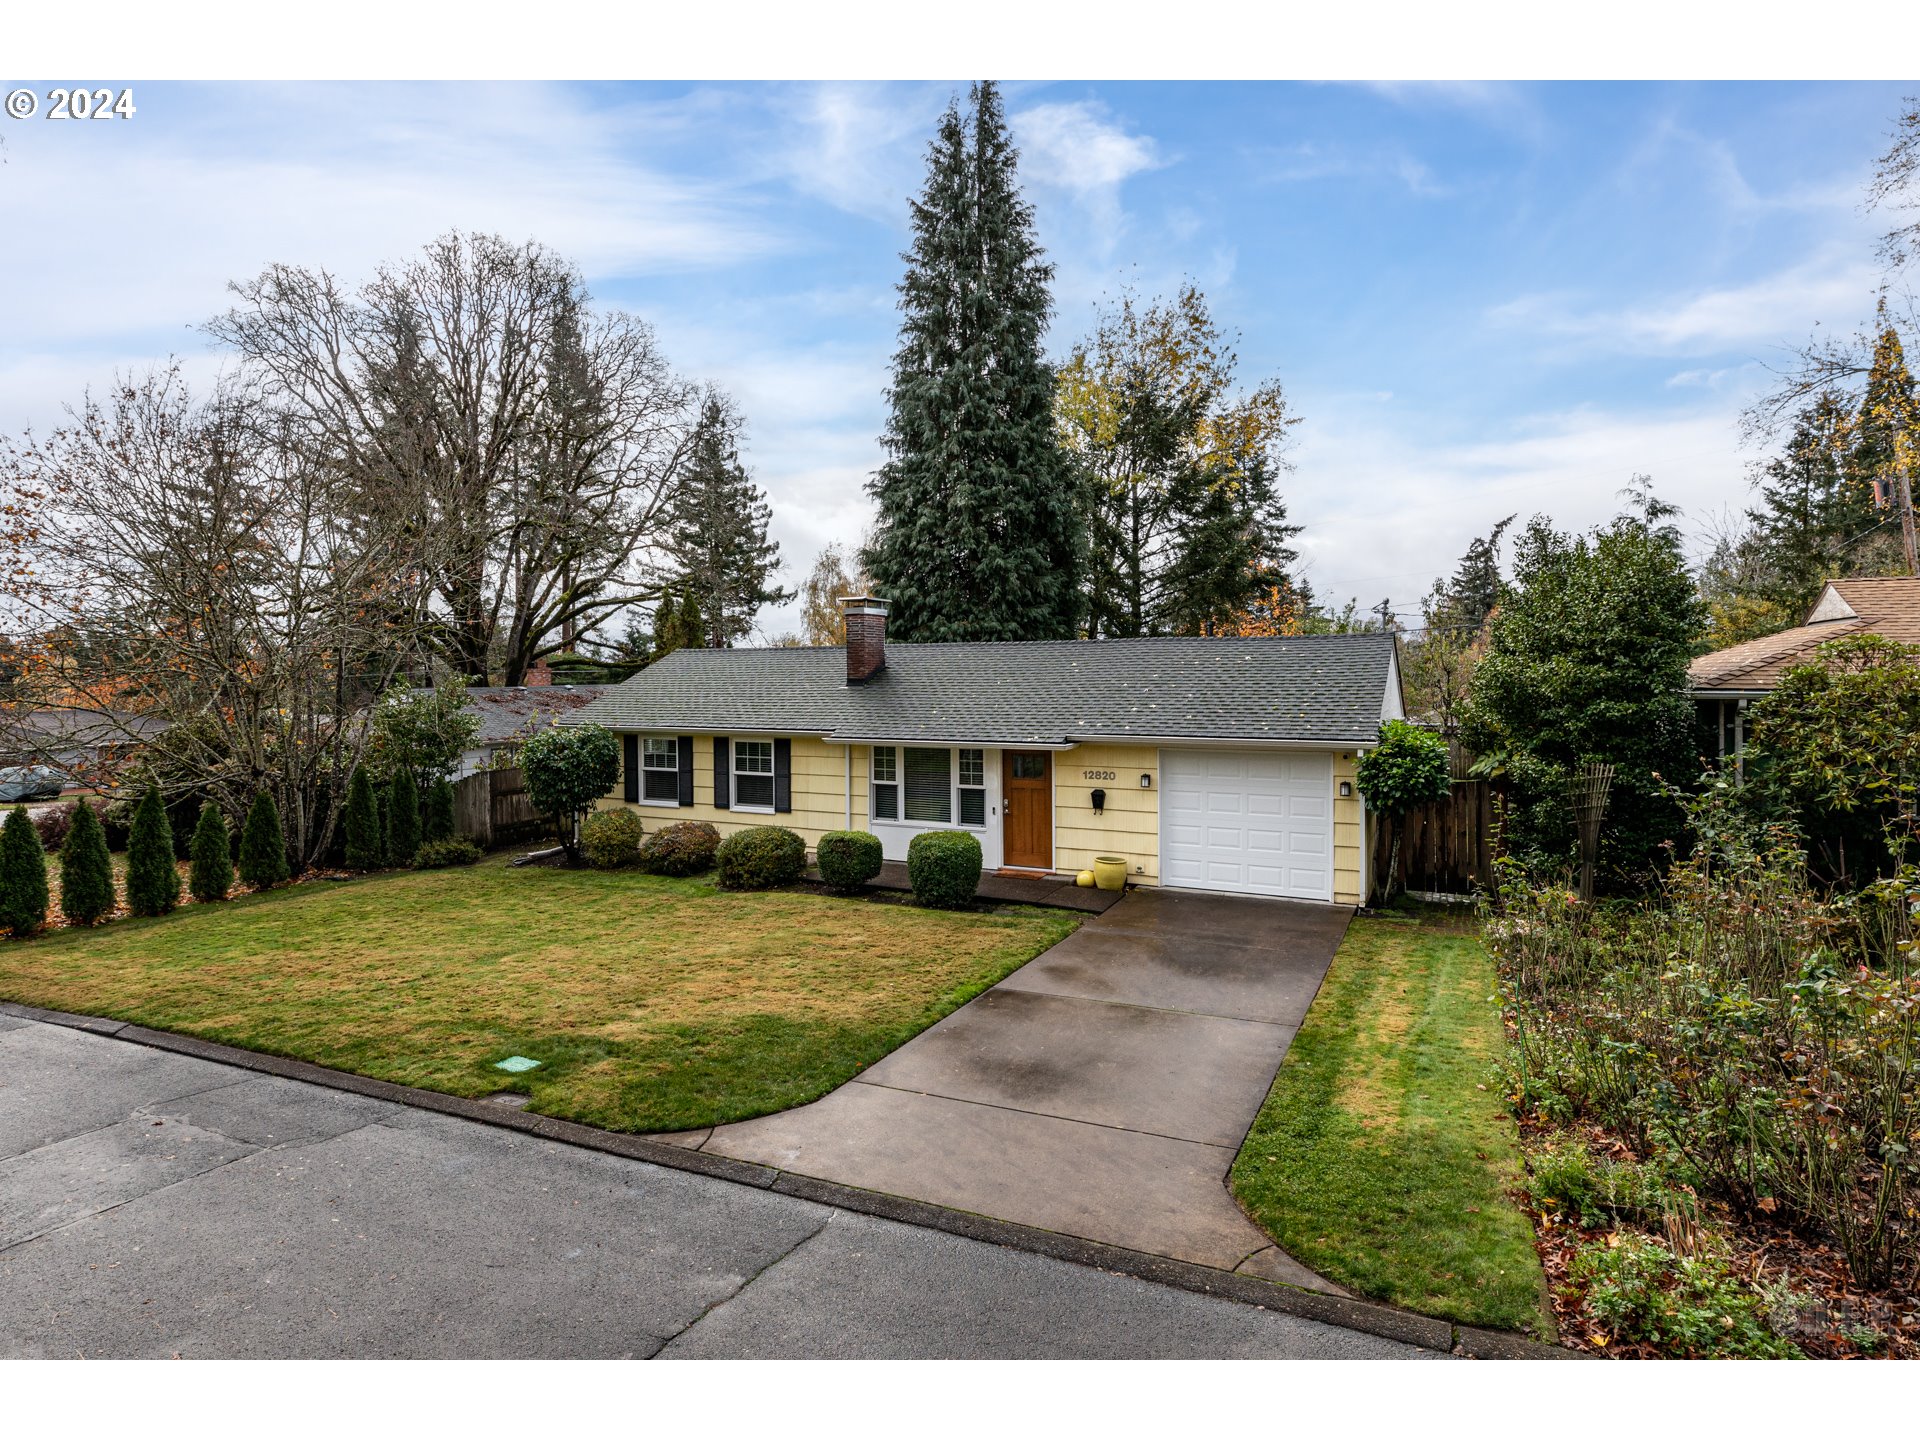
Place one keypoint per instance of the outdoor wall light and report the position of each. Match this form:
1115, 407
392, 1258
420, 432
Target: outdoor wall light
1346, 789
1099, 801
1146, 782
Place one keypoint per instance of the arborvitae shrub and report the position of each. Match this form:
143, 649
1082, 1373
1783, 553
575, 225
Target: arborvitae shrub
437, 823
383, 809
849, 858
86, 870
403, 819
212, 874
263, 846
362, 824
23, 875
153, 885
944, 868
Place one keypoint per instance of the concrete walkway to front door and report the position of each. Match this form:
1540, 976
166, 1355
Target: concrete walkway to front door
1101, 1091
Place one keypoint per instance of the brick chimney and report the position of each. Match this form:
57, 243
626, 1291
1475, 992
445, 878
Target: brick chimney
866, 617
539, 673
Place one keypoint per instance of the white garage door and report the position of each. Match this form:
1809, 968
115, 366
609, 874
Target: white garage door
1260, 822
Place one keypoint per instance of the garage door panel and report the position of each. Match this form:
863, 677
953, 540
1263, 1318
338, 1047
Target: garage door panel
1248, 821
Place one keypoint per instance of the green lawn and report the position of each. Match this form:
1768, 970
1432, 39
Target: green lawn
1383, 1156
654, 1004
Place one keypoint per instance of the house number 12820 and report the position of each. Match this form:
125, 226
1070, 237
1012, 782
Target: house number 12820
1100, 774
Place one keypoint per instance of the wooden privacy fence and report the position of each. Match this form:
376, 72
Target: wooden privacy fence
493, 807
1446, 848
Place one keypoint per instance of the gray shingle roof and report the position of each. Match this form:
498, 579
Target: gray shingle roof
1048, 692
513, 712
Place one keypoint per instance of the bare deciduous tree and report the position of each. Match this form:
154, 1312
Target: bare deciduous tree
472, 399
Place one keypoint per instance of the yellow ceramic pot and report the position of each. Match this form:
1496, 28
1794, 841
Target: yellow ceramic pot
1110, 872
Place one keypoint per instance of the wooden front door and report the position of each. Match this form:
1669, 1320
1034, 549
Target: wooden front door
1026, 805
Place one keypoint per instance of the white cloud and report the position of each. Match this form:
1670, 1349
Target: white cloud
1833, 288
859, 147
1387, 511
1074, 146
1313, 160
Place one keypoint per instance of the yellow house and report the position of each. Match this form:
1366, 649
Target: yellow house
1206, 763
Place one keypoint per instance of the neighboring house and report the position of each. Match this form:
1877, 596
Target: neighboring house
1207, 763
76, 741
510, 713
1726, 682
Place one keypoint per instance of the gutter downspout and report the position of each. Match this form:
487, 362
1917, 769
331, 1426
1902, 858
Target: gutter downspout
849, 755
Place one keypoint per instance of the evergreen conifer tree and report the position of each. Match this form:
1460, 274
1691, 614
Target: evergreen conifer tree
403, 819
211, 875
717, 535
1230, 544
153, 884
363, 842
438, 821
978, 535
263, 846
86, 869
23, 875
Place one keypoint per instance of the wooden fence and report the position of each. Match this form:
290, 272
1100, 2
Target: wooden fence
1446, 848
493, 807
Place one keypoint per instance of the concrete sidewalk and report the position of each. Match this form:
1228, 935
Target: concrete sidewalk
157, 1204
1101, 1091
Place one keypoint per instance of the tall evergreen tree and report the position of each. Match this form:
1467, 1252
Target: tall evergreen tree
1229, 547
437, 823
212, 874
1887, 433
263, 845
23, 875
403, 818
978, 535
86, 869
153, 884
717, 533
364, 846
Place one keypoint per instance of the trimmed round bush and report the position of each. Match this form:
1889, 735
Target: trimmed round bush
760, 857
440, 854
610, 839
684, 848
23, 875
849, 858
211, 877
86, 870
944, 867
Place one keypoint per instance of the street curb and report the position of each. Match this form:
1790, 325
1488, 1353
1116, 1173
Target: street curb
1367, 1316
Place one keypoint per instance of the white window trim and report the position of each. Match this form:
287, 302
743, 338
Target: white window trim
674, 803
734, 773
989, 810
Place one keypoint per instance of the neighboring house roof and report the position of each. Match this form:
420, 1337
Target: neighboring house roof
513, 712
1331, 688
1888, 607
70, 734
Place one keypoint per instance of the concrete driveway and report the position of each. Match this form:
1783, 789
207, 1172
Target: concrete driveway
1100, 1091
155, 1204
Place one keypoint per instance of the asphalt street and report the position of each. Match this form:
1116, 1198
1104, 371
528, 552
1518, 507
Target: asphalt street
156, 1205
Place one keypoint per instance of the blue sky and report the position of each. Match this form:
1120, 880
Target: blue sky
1480, 298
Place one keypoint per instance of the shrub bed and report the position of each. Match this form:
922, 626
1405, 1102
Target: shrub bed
944, 868
760, 857
440, 854
849, 859
610, 839
684, 848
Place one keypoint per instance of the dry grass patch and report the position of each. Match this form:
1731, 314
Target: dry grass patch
653, 1004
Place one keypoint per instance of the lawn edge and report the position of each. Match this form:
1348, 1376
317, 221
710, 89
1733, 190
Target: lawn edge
1367, 1316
